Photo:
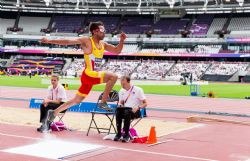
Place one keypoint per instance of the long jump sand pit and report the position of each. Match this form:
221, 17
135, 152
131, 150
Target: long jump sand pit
81, 121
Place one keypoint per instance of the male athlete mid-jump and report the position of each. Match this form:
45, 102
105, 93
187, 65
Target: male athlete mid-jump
93, 48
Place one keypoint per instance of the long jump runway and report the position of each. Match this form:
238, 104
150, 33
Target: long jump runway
211, 141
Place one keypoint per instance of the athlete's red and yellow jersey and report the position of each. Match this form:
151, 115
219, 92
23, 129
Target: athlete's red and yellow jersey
93, 61
92, 75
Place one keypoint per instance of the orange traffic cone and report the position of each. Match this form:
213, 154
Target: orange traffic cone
152, 136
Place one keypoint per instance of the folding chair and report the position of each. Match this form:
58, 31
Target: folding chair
112, 98
60, 116
137, 120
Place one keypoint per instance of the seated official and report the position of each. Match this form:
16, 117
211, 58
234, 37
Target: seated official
56, 97
131, 100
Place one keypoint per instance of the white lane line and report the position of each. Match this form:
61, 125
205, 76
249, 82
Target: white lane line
20, 136
14, 124
186, 129
165, 154
125, 149
160, 142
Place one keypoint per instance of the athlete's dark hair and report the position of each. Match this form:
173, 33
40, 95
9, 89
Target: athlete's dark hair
94, 25
127, 78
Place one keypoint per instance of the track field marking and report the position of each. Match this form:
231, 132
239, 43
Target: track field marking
20, 136
165, 154
124, 149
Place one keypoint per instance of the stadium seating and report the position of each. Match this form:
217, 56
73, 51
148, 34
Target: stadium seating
226, 68
238, 49
121, 67
196, 68
178, 50
199, 49
223, 71
34, 48
155, 50
110, 22
152, 69
33, 24
67, 24
76, 67
139, 24
5, 24
10, 47
136, 24
216, 25
130, 48
239, 24
207, 49
201, 25
170, 26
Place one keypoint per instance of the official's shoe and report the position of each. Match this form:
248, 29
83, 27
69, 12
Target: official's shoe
117, 137
126, 139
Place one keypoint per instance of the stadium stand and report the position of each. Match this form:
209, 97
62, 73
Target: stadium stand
152, 69
178, 50
155, 50
75, 68
140, 24
196, 68
226, 68
136, 24
10, 47
206, 24
199, 49
170, 26
111, 22
201, 25
239, 24
33, 24
207, 49
130, 48
223, 71
216, 25
121, 67
5, 24
67, 24
34, 47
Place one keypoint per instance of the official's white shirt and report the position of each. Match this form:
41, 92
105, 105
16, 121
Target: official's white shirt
57, 93
135, 99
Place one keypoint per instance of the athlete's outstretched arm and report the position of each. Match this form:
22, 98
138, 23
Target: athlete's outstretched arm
116, 49
63, 41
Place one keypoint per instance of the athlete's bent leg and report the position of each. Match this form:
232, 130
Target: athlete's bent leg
76, 100
51, 114
110, 80
83, 91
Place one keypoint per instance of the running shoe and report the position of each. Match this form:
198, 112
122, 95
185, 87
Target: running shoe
104, 106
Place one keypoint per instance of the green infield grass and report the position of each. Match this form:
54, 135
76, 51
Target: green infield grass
221, 90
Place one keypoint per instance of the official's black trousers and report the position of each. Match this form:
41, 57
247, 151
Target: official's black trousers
127, 114
50, 106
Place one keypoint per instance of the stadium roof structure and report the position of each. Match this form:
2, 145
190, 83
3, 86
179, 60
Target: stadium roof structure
127, 6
